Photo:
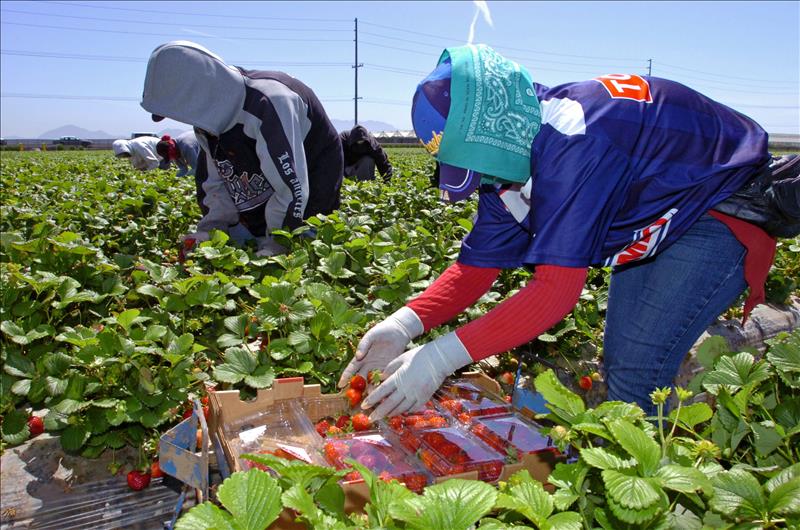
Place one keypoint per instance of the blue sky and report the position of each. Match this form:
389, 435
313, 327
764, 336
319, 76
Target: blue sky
91, 55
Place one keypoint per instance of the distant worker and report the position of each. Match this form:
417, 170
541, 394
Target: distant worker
183, 150
141, 151
270, 156
362, 154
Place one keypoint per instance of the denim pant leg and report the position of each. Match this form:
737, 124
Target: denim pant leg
658, 308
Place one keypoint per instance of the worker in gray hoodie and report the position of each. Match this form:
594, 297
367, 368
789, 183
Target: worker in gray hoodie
270, 156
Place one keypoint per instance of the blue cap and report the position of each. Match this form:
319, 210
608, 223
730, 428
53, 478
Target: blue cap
429, 111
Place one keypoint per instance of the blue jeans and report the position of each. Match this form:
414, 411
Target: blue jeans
659, 307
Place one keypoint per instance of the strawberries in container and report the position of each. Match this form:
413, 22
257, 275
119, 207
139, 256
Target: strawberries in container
512, 435
465, 401
379, 455
429, 418
451, 451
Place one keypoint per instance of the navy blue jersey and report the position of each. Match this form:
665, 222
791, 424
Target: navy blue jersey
622, 167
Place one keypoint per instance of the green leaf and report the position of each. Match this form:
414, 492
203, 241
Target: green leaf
637, 444
784, 476
785, 499
601, 458
15, 427
710, 349
262, 377
683, 479
206, 516
252, 497
630, 491
452, 505
74, 436
737, 491
529, 499
691, 415
564, 521
558, 397
127, 318
766, 438
735, 372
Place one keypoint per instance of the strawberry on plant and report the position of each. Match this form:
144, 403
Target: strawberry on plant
507, 378
333, 430
361, 422
585, 382
358, 382
596, 376
35, 425
138, 480
353, 396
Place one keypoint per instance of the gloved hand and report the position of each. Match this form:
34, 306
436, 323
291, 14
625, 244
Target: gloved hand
383, 343
268, 247
415, 376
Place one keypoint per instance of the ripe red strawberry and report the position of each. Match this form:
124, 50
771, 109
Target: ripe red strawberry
361, 422
358, 382
343, 421
187, 413
322, 428
490, 471
35, 425
353, 396
396, 423
353, 476
585, 382
155, 470
138, 480
507, 378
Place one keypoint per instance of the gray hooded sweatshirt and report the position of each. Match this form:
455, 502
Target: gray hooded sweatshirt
271, 155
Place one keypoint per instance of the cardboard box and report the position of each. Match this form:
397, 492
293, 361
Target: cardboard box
227, 409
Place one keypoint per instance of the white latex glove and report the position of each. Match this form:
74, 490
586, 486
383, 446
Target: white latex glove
383, 343
416, 375
198, 237
268, 247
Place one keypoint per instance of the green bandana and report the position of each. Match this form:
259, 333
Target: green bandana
494, 115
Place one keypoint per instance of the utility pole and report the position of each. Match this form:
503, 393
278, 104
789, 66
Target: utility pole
356, 66
649, 67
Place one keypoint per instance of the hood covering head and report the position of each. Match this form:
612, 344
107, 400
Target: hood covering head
192, 85
359, 133
478, 114
120, 147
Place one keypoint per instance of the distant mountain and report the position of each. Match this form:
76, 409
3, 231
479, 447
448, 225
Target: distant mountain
372, 126
74, 130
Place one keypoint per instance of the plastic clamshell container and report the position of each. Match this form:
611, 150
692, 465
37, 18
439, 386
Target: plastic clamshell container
380, 455
512, 435
451, 451
330, 408
465, 401
282, 425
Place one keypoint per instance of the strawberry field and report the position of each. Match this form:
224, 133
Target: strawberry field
107, 334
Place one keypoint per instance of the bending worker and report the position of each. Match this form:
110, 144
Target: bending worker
271, 157
183, 150
362, 154
141, 152
620, 171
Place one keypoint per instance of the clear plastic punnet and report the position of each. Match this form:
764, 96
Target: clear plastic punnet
451, 451
465, 400
512, 435
282, 429
378, 454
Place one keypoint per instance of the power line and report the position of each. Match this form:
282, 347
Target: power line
116, 31
114, 58
725, 76
460, 39
196, 14
728, 83
172, 24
